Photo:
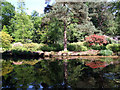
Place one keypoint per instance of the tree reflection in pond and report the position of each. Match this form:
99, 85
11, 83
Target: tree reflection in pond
62, 74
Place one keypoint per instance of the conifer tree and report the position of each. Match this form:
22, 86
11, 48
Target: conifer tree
21, 26
67, 12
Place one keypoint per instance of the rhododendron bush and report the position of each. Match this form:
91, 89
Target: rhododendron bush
96, 39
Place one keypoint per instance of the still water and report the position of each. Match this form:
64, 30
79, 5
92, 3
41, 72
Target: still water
61, 73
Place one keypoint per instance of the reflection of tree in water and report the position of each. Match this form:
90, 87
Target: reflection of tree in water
77, 73
112, 75
61, 74
23, 75
20, 77
81, 76
6, 67
50, 73
45, 72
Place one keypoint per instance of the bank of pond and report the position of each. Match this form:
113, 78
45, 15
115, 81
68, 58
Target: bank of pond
27, 54
61, 72
74, 49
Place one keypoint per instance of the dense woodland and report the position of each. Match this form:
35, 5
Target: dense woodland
68, 26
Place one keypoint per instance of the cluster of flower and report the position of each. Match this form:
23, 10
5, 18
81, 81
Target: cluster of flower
96, 39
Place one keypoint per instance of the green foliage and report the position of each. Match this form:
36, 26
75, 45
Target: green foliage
76, 47
6, 67
48, 48
37, 22
116, 10
98, 47
51, 32
114, 47
8, 11
105, 52
6, 40
21, 28
32, 46
95, 47
27, 47
110, 41
103, 19
5, 29
52, 47
19, 48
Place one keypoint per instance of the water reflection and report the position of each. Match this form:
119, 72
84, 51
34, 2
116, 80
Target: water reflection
65, 73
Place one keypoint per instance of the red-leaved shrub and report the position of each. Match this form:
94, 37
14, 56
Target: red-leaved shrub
96, 39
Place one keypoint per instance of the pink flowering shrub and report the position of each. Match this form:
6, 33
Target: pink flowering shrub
93, 40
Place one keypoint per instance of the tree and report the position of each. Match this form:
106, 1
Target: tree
68, 13
8, 12
5, 29
103, 19
51, 32
5, 40
21, 27
60, 12
36, 20
48, 7
115, 8
35, 13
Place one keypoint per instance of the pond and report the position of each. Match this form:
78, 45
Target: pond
61, 73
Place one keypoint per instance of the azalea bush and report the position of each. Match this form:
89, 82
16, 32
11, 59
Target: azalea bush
93, 40
18, 46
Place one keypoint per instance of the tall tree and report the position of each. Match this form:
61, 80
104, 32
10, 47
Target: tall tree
51, 32
103, 19
21, 27
8, 12
36, 20
67, 13
115, 8
61, 12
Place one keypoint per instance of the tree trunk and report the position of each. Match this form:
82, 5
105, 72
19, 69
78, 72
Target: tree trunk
65, 37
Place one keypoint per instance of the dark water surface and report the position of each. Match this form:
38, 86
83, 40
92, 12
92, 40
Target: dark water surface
53, 73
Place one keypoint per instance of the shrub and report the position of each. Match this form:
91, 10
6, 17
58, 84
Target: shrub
105, 52
18, 44
110, 40
6, 40
98, 47
58, 47
47, 48
114, 47
93, 40
27, 47
31, 46
52, 47
76, 47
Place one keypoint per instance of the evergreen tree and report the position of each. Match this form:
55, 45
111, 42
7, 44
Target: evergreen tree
51, 32
21, 27
67, 13
115, 8
37, 21
103, 19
